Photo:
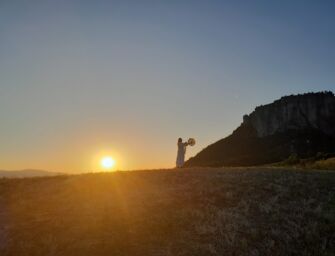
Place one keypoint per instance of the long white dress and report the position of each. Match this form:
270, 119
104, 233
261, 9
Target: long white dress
181, 154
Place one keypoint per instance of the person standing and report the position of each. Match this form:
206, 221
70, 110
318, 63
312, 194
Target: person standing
181, 153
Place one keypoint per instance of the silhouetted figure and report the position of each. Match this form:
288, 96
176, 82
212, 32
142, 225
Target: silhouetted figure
181, 152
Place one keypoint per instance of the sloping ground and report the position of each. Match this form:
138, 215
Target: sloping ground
244, 148
325, 164
240, 211
27, 173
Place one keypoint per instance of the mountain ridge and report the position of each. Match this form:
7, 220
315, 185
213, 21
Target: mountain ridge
302, 124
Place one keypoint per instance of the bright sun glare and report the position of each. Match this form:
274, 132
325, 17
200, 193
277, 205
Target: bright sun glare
107, 162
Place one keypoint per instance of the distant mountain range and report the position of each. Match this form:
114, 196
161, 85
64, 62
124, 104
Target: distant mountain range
26, 173
302, 124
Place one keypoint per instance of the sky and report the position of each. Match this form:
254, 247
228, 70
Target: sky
83, 79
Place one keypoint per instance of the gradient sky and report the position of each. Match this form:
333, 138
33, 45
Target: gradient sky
79, 79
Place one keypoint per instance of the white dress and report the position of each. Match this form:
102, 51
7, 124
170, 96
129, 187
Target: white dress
181, 154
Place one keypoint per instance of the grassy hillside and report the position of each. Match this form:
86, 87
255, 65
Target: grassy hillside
245, 148
240, 211
26, 173
324, 164
308, 163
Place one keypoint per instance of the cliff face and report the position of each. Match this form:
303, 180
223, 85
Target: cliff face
300, 124
308, 111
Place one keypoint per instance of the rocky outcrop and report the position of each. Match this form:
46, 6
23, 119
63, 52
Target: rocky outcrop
300, 124
307, 111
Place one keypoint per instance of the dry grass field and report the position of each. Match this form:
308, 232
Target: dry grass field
238, 211
326, 164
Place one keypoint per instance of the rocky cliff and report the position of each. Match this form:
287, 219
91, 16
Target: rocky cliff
311, 110
300, 124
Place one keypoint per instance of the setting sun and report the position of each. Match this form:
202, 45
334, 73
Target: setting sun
107, 162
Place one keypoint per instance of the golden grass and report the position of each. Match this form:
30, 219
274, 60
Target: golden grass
327, 164
239, 211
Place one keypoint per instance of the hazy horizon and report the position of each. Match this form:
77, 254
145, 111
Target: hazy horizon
83, 79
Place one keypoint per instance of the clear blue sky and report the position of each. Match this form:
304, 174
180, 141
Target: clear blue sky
83, 78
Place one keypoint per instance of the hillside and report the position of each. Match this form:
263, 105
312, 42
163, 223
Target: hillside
237, 211
303, 125
26, 173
